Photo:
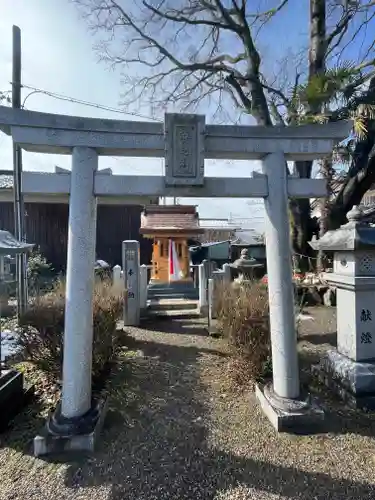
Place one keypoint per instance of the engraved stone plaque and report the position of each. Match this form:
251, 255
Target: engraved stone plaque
184, 149
130, 257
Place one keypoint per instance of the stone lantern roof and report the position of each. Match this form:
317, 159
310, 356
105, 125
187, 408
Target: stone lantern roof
9, 245
357, 234
245, 262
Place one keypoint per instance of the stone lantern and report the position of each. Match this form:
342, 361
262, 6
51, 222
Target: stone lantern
350, 370
13, 394
245, 266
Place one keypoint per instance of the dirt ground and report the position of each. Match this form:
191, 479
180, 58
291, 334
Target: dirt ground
175, 431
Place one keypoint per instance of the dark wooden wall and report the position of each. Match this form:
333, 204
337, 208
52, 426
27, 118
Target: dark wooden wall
47, 227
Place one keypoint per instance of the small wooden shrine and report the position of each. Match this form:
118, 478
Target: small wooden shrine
167, 224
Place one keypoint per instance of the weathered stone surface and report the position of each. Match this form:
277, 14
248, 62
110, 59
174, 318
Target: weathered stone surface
352, 381
353, 278
44, 132
302, 418
329, 297
48, 443
184, 150
131, 266
358, 377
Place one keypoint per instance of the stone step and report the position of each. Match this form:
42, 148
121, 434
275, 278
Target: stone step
174, 313
172, 304
170, 290
177, 288
171, 296
172, 287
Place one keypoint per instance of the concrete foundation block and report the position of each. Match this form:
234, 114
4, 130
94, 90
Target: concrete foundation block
293, 418
47, 443
352, 381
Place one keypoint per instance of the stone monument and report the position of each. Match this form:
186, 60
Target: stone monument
350, 369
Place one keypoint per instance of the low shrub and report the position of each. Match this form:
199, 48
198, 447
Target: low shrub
243, 318
40, 273
42, 328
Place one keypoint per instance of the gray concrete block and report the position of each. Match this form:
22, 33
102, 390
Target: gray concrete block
48, 444
299, 421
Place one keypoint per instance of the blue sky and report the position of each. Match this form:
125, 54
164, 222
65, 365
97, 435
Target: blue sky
58, 56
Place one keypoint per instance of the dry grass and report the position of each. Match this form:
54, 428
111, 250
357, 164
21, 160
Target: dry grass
42, 328
243, 318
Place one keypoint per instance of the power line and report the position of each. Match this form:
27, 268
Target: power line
63, 97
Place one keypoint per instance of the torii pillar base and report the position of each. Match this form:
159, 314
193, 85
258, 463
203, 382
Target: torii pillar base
61, 436
296, 416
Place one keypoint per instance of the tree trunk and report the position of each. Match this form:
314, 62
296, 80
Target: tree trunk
327, 172
302, 225
360, 178
302, 231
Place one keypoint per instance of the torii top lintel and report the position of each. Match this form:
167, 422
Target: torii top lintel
51, 133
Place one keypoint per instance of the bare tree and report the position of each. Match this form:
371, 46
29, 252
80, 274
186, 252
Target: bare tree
194, 52
5, 97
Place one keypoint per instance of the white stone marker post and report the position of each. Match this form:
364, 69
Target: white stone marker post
116, 277
130, 258
227, 272
203, 304
211, 291
143, 287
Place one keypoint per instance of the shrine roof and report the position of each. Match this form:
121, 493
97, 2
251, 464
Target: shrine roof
158, 219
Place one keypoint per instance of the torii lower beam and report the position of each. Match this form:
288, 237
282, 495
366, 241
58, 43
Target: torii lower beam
133, 186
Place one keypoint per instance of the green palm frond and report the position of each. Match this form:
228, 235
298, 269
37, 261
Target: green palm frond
360, 127
361, 116
305, 119
365, 110
339, 82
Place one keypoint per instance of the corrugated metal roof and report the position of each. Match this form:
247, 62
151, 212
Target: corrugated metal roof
247, 238
212, 244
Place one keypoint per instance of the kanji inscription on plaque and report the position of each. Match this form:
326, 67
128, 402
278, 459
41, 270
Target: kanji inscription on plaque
184, 150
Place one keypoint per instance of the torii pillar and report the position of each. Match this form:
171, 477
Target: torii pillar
77, 418
281, 400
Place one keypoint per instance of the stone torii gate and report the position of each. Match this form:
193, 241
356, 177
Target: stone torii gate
185, 141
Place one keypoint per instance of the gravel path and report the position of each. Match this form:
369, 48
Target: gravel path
175, 431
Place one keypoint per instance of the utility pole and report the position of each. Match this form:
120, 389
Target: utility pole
19, 228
